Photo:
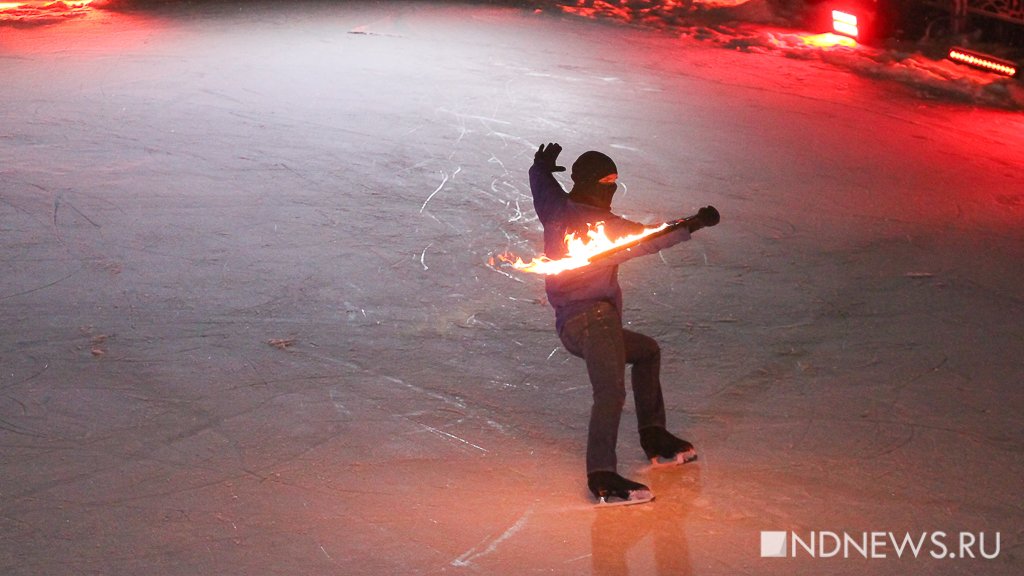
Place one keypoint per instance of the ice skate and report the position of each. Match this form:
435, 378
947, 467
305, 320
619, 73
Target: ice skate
663, 449
610, 489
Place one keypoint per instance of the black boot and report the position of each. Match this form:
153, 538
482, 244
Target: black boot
659, 443
609, 487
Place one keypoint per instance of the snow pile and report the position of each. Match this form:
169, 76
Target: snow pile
672, 13
932, 78
757, 26
42, 13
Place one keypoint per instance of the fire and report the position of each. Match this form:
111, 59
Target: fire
580, 251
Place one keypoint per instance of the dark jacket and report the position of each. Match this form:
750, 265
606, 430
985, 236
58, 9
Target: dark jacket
573, 291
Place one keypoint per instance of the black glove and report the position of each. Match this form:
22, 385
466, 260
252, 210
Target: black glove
709, 216
547, 156
706, 216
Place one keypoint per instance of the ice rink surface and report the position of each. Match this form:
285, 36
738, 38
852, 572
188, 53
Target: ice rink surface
251, 326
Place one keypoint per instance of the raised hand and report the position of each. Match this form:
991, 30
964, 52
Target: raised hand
547, 156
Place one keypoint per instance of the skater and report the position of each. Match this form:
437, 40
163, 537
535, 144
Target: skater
588, 317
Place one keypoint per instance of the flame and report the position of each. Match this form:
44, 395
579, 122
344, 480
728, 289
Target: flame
580, 250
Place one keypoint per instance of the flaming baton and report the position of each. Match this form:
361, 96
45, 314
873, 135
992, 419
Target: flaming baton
594, 246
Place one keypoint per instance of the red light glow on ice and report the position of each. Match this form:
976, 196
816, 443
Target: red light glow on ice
579, 250
81, 28
982, 62
845, 23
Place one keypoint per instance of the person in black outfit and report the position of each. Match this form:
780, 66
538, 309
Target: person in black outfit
588, 315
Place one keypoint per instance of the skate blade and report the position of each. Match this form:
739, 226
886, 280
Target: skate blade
679, 460
635, 497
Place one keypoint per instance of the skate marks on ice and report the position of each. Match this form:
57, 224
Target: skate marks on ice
463, 490
389, 399
650, 538
62, 231
467, 558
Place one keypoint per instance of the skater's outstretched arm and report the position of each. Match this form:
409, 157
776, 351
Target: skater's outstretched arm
678, 231
548, 194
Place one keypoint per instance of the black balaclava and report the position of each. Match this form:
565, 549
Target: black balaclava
587, 171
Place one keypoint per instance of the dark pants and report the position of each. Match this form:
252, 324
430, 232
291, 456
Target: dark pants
598, 337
